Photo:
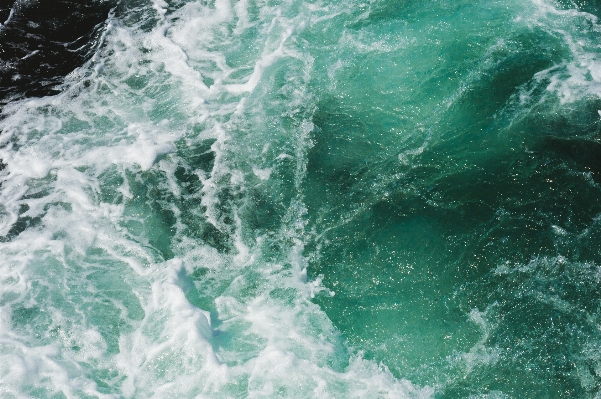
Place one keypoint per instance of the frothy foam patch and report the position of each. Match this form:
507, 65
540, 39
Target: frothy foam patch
248, 352
579, 76
144, 151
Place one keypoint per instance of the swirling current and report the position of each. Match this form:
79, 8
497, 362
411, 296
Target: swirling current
300, 199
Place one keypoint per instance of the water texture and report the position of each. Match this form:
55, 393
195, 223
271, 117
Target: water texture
41, 41
300, 199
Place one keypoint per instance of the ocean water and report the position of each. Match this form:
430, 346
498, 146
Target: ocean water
300, 199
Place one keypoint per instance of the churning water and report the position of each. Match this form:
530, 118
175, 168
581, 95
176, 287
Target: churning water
301, 199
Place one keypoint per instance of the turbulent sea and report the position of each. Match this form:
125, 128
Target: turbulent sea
300, 199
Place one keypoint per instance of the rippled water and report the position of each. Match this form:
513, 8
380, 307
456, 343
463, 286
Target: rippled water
301, 199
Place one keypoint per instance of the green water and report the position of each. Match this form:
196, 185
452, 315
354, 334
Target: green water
310, 199
456, 220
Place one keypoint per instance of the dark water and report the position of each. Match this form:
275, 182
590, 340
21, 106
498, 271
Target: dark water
42, 41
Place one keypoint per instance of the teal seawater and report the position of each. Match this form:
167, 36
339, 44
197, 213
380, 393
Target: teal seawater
302, 199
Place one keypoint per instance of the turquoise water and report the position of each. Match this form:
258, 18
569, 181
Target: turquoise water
392, 199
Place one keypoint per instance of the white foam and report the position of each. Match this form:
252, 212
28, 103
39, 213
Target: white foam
262, 174
144, 151
211, 183
580, 76
171, 342
242, 14
260, 66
